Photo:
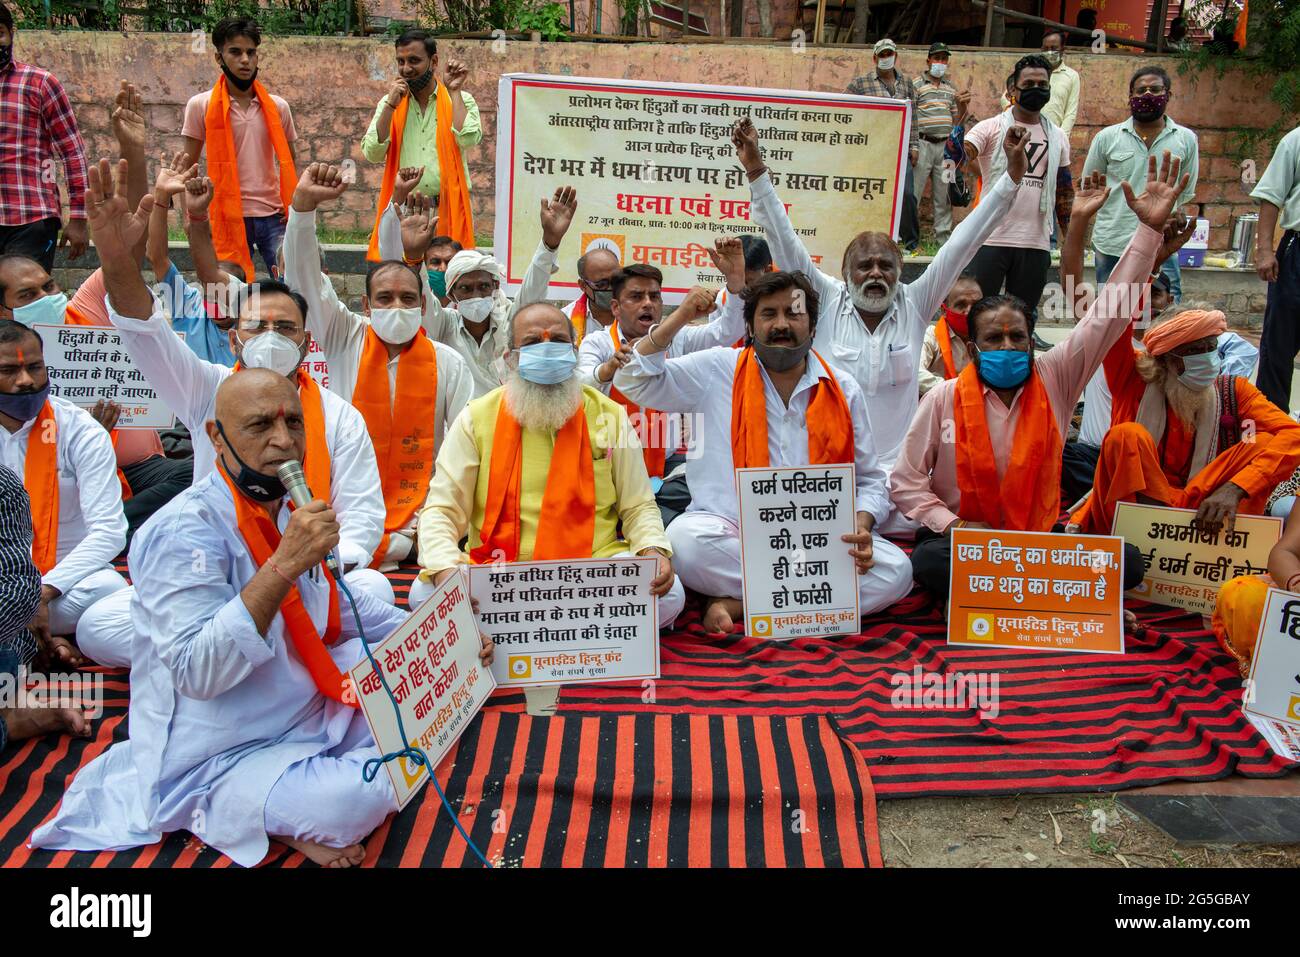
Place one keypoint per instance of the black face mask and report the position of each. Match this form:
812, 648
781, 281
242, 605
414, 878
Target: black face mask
782, 358
6, 56
236, 82
420, 82
258, 487
1033, 99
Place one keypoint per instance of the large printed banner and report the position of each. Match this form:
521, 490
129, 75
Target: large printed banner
89, 363
1036, 590
1273, 692
1186, 566
658, 180
431, 665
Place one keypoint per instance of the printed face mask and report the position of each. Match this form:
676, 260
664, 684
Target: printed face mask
1003, 368
396, 326
258, 486
475, 310
24, 406
1148, 106
1200, 371
547, 363
48, 310
270, 350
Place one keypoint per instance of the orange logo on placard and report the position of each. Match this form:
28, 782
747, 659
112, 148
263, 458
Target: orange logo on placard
520, 666
1293, 708
979, 627
614, 242
760, 626
411, 778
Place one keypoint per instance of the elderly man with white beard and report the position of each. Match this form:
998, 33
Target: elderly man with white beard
871, 325
542, 468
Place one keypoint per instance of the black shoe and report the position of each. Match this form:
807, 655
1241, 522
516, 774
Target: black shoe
1041, 344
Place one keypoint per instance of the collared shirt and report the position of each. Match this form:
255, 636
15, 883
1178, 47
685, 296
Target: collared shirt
932, 370
1121, 154
936, 106
924, 482
20, 582
189, 386
704, 383
454, 493
884, 362
420, 139
36, 123
183, 302
259, 178
1063, 107
1280, 184
92, 528
219, 710
872, 84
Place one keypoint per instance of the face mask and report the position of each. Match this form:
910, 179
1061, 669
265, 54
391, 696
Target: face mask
1148, 106
602, 299
1053, 57
938, 69
236, 82
781, 358
475, 310
6, 56
24, 406
956, 322
256, 485
1034, 98
885, 63
270, 350
396, 326
547, 363
437, 282
48, 310
1200, 371
420, 82
1003, 368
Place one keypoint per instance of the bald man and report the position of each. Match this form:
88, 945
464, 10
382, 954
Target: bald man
592, 311
234, 736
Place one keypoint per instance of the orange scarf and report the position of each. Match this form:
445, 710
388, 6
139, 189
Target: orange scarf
579, 319
944, 338
403, 446
568, 515
455, 215
1028, 498
649, 427
261, 536
227, 213
830, 427
41, 479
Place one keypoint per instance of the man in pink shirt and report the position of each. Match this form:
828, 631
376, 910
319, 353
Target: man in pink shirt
1016, 386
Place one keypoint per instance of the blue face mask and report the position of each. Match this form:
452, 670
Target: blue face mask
1004, 368
547, 363
47, 310
1200, 370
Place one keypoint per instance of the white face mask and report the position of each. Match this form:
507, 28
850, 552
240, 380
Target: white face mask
885, 63
475, 310
396, 326
270, 350
938, 69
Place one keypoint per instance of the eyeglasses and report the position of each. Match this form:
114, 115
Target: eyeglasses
1156, 89
604, 285
287, 329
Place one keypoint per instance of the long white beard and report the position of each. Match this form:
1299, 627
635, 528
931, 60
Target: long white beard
1186, 402
871, 303
542, 408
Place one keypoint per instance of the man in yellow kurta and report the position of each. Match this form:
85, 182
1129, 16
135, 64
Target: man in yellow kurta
542, 468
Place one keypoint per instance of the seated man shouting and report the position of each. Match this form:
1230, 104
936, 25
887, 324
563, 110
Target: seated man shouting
774, 403
985, 447
242, 725
1185, 435
542, 468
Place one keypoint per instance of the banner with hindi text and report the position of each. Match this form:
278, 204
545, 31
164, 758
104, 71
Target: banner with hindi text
89, 363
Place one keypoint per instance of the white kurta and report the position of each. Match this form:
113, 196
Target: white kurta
218, 712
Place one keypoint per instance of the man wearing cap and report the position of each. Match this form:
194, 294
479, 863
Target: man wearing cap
886, 82
938, 107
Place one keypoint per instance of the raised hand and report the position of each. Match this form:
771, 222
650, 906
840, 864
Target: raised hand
728, 257
417, 226
1089, 196
173, 176
408, 177
198, 196
697, 304
744, 137
1162, 191
396, 92
456, 75
319, 183
127, 115
557, 214
1178, 231
113, 225
1013, 144
963, 103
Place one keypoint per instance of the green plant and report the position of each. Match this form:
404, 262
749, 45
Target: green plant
631, 13
546, 19
482, 16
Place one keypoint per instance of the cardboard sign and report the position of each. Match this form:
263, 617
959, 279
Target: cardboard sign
1186, 566
569, 622
431, 665
1273, 689
1036, 590
89, 363
799, 577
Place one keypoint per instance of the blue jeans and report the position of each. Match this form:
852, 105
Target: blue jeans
1282, 507
266, 233
1169, 268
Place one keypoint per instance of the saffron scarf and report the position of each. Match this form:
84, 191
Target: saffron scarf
830, 426
41, 479
649, 426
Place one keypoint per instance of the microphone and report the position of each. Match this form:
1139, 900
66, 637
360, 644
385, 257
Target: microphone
294, 481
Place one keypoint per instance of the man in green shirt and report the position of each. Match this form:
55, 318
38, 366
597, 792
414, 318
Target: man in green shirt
417, 66
1278, 192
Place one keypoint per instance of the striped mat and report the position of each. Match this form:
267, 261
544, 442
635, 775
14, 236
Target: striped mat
601, 791
1167, 710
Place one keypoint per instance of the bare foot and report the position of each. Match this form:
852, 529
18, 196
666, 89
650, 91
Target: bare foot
720, 615
348, 856
1130, 621
61, 652
30, 722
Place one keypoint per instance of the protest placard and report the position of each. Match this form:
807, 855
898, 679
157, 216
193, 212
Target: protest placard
1186, 566
1036, 590
1273, 689
657, 176
569, 622
317, 365
89, 363
799, 576
431, 665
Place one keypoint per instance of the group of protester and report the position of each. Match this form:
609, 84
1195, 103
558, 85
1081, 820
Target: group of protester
463, 426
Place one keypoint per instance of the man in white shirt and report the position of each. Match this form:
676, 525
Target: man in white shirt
591, 312
271, 333
375, 358
65, 459
871, 325
812, 414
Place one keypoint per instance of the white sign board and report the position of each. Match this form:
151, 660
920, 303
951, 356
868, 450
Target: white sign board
1273, 691
89, 363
